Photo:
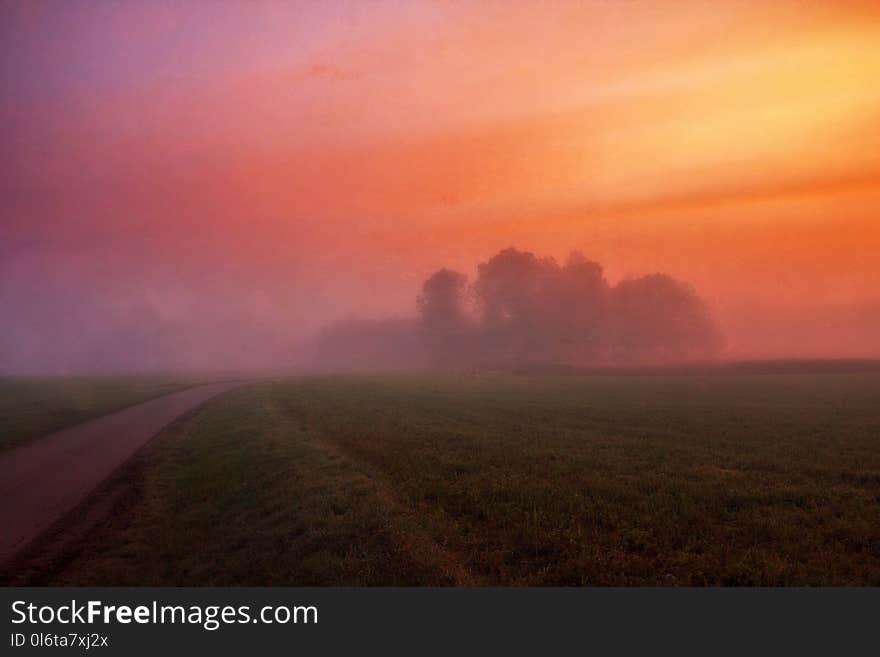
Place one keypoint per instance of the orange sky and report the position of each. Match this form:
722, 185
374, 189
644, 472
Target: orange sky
313, 160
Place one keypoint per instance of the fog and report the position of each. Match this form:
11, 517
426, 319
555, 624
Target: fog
511, 309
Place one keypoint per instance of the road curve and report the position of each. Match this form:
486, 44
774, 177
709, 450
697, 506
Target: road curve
44, 478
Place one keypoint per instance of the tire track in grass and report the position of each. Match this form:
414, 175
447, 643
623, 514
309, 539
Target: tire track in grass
406, 529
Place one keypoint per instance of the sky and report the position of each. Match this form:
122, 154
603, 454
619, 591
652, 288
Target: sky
203, 184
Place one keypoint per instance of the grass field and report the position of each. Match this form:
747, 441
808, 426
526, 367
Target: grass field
32, 407
655, 480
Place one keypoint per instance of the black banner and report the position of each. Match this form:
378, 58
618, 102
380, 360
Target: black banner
149, 621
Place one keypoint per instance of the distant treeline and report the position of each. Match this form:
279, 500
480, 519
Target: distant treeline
523, 309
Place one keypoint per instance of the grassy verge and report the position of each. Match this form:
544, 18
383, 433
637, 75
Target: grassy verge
32, 407
524, 481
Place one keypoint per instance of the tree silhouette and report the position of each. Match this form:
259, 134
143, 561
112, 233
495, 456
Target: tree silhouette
656, 318
443, 316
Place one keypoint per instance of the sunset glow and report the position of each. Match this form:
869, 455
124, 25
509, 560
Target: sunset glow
240, 173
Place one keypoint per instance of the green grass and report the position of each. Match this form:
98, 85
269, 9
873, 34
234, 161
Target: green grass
652, 480
32, 407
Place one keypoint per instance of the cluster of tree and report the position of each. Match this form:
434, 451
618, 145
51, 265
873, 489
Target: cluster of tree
523, 309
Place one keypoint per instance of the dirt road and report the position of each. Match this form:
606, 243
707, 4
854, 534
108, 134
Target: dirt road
47, 477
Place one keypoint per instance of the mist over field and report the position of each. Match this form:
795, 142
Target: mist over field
515, 308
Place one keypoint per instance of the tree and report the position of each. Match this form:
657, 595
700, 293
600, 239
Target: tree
443, 317
581, 310
656, 318
509, 291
